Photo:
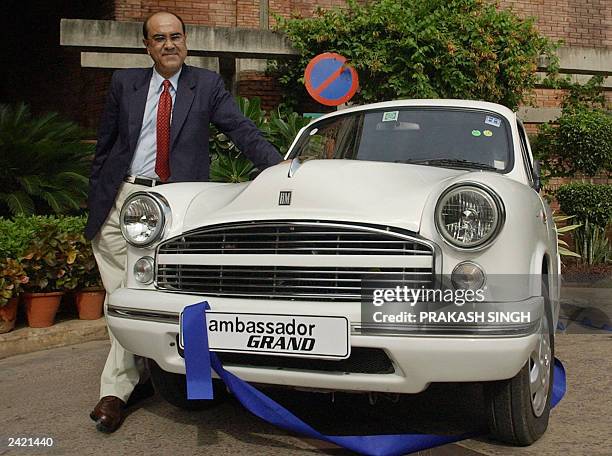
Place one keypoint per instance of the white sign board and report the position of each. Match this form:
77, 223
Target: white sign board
307, 336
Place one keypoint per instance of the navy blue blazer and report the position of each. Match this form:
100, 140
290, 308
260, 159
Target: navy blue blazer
201, 98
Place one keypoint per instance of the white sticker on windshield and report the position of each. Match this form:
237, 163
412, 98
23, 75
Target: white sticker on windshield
498, 164
314, 131
490, 120
390, 116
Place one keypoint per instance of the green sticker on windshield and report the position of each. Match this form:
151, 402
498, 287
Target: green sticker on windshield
390, 116
476, 133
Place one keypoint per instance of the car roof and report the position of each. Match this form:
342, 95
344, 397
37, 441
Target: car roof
451, 103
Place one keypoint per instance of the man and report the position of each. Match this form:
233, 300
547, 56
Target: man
154, 130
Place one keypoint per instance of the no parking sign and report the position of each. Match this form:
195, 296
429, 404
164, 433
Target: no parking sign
330, 80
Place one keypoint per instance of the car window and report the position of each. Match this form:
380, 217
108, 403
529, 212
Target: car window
408, 134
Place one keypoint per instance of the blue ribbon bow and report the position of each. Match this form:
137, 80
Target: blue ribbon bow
198, 363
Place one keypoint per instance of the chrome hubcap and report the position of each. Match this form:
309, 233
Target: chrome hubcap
539, 370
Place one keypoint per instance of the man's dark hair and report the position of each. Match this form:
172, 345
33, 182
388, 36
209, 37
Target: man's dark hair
145, 31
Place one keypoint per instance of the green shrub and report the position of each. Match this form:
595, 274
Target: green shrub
592, 244
280, 127
15, 236
592, 202
44, 165
231, 167
592, 206
581, 142
284, 125
421, 49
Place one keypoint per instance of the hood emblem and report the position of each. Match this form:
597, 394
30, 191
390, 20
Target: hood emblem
284, 198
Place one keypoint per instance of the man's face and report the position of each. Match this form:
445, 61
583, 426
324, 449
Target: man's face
166, 43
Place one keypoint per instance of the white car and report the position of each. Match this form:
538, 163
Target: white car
423, 194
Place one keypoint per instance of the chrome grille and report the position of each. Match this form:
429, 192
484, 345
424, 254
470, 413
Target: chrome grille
199, 262
292, 239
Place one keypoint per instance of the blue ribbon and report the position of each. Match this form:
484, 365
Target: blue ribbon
198, 363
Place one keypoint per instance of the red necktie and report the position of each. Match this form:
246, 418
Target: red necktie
164, 108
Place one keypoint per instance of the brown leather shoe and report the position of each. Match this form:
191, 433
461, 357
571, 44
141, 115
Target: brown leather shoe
108, 414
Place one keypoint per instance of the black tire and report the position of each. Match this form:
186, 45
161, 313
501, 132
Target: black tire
173, 388
509, 408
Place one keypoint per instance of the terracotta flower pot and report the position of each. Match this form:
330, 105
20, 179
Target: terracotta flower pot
41, 308
8, 315
90, 304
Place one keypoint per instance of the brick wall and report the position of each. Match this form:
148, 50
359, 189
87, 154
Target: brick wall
257, 84
219, 13
247, 13
586, 23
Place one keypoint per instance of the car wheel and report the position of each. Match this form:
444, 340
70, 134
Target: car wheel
518, 408
173, 388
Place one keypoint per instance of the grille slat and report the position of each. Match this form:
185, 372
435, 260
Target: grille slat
292, 238
297, 250
261, 270
289, 282
201, 279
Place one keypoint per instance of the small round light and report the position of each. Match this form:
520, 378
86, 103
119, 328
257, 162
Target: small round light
143, 270
142, 219
468, 276
468, 216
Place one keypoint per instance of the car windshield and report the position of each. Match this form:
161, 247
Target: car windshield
456, 138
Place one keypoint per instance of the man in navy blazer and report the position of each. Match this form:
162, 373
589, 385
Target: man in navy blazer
128, 159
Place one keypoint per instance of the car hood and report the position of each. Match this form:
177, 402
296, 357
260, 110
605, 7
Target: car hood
333, 190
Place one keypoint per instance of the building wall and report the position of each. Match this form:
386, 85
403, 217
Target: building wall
52, 78
586, 23
220, 13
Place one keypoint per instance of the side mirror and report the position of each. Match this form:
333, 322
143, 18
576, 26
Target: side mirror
537, 181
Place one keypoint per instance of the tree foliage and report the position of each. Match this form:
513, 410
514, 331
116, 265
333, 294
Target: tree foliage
44, 165
422, 49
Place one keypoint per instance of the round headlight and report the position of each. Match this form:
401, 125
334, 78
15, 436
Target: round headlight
469, 216
142, 219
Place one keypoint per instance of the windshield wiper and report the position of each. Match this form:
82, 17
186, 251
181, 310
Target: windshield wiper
450, 162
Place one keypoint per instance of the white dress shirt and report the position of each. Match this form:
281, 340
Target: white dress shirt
143, 162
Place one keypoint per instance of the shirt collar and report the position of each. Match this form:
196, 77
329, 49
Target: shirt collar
157, 79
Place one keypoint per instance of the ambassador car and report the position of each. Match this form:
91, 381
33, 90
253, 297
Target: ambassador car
331, 270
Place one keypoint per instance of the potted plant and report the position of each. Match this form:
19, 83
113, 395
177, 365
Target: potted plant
89, 298
15, 236
47, 261
12, 278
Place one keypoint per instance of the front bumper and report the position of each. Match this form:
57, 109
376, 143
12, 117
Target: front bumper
146, 323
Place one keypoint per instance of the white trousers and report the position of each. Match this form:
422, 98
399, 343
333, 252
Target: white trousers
122, 371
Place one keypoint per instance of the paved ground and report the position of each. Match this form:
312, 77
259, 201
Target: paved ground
50, 393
